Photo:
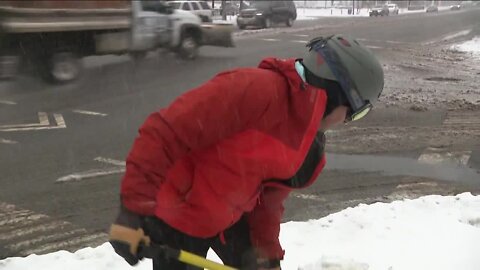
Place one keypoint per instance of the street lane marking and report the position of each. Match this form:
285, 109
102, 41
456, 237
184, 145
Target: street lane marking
42, 119
449, 37
301, 35
416, 185
386, 41
45, 227
24, 232
470, 119
84, 240
110, 161
8, 102
5, 141
43, 125
43, 238
96, 172
90, 174
300, 41
269, 39
373, 47
468, 122
437, 156
309, 197
89, 113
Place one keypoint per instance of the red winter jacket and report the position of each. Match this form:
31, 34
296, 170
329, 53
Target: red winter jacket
229, 147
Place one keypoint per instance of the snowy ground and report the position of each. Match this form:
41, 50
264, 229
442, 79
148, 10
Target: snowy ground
471, 46
431, 79
432, 232
314, 13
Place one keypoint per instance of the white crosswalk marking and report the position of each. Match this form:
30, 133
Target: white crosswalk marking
460, 121
269, 39
24, 232
468, 120
5, 141
437, 156
300, 41
89, 113
8, 102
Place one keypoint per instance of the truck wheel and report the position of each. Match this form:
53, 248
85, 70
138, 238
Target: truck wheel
188, 48
138, 55
289, 21
61, 67
241, 26
267, 23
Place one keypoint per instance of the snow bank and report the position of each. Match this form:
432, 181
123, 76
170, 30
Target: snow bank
432, 232
315, 13
472, 46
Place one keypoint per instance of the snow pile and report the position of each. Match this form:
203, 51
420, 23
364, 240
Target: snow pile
406, 11
315, 13
432, 232
472, 46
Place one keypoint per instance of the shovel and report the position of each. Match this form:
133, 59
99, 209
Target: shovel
155, 250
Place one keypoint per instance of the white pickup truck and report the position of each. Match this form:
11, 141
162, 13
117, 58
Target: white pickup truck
54, 35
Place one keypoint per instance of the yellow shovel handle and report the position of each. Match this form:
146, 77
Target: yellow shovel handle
199, 261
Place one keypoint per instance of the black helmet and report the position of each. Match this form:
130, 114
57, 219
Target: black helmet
352, 65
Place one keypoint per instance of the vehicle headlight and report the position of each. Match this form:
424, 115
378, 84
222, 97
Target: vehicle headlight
259, 14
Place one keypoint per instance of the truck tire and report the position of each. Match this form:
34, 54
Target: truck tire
267, 22
289, 22
138, 55
60, 67
188, 48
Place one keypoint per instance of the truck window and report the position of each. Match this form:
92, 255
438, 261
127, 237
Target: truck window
154, 6
195, 6
186, 6
175, 5
204, 5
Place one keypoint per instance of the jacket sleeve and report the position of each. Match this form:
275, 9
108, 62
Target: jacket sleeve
220, 108
264, 222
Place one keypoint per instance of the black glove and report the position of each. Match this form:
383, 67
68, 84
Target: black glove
268, 264
127, 236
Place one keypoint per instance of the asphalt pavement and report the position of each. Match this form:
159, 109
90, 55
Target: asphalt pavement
62, 146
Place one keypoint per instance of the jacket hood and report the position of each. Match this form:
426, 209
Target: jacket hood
285, 67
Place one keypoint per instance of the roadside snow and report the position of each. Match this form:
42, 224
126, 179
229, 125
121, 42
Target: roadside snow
472, 46
456, 35
314, 13
406, 11
432, 232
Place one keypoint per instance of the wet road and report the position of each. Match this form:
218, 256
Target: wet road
50, 135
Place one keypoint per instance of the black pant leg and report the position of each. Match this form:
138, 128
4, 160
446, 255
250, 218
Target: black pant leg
237, 250
162, 233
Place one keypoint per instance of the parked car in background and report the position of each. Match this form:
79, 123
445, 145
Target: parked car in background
393, 9
265, 13
230, 9
432, 8
456, 7
379, 11
200, 8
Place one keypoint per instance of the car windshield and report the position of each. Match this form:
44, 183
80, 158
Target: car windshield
175, 5
261, 4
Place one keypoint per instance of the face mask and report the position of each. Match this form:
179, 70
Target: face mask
300, 70
335, 95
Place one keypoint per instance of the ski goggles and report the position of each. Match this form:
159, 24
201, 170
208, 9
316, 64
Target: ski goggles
359, 107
